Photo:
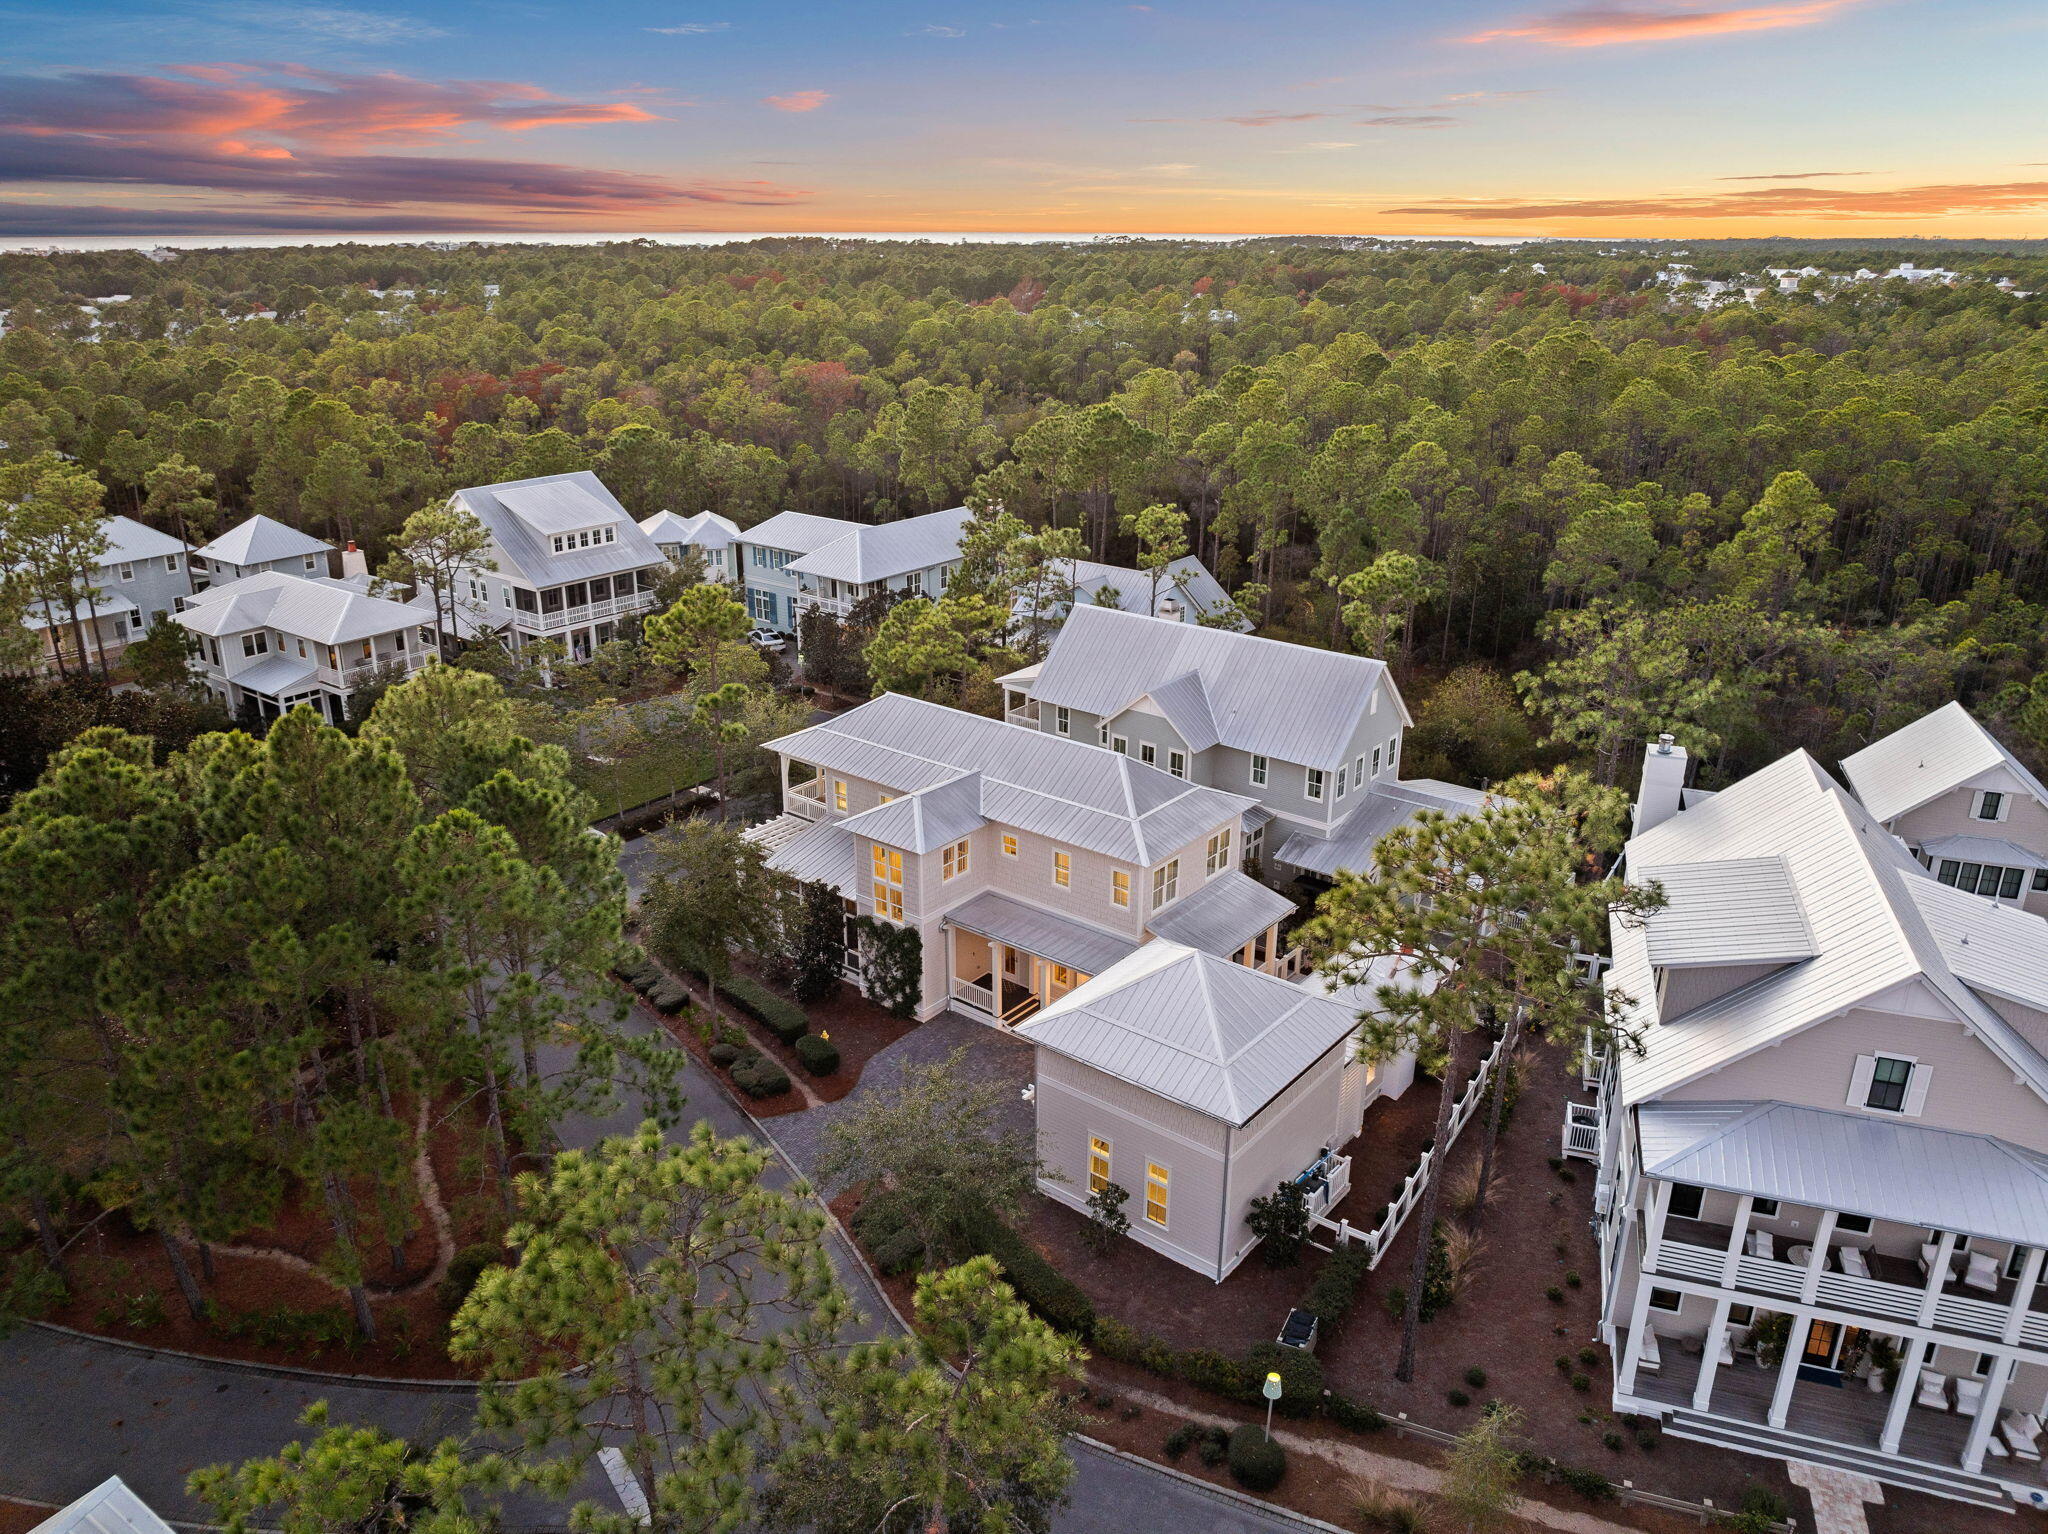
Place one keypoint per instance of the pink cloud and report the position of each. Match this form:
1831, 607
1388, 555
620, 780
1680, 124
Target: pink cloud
1597, 26
1934, 201
797, 101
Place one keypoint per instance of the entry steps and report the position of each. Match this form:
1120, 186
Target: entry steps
1891, 1469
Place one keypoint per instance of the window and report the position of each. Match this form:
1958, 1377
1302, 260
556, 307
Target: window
1358, 772
1987, 878
1062, 870
2041, 878
427, 637
1155, 1193
127, 572
1098, 1163
1686, 1201
1852, 1224
170, 564
1165, 882
1062, 722
1315, 785
914, 583
1763, 1208
1990, 806
1148, 753
369, 649
888, 882
1393, 753
1889, 1078
1009, 845
1120, 888
2015, 1261
1340, 782
1741, 1315
1219, 851
953, 860
1118, 744
1258, 772
302, 648
1666, 1299
839, 793
256, 644
310, 560
1177, 763
1375, 761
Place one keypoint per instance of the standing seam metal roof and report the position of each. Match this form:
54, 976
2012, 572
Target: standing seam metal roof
131, 542
1349, 848
887, 549
522, 514
260, 540
1223, 915
1061, 939
1732, 911
1925, 759
706, 530
327, 612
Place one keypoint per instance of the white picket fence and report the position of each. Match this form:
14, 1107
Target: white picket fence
1381, 1237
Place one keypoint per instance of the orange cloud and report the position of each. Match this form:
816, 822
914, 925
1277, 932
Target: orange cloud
797, 101
1597, 26
1935, 201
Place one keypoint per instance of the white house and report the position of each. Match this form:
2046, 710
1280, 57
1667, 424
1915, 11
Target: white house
1965, 806
716, 538
273, 641
139, 582
1831, 1152
567, 562
1187, 592
259, 545
795, 561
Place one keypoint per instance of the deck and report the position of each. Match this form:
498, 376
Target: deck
1901, 1271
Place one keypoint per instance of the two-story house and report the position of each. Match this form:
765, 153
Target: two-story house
261, 545
566, 562
141, 579
272, 641
1313, 735
1026, 863
1823, 1173
795, 560
714, 537
1187, 592
1963, 804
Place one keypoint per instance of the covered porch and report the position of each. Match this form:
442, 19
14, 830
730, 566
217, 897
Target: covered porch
1007, 960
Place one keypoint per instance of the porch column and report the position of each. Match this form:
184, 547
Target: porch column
1653, 1228
1710, 1361
1987, 1414
1902, 1398
1817, 1264
1937, 1277
1788, 1366
1731, 1265
2023, 1293
1639, 1318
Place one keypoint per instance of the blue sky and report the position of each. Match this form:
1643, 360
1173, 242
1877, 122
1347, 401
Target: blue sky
1648, 117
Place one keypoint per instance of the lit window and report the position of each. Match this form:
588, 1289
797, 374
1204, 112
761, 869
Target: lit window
953, 860
1315, 784
1155, 1193
888, 882
1165, 883
1177, 763
1120, 888
1062, 870
1098, 1163
1009, 845
1062, 721
1219, 851
1258, 772
839, 793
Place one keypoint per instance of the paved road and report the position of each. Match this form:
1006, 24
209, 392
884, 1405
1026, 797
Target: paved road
74, 1410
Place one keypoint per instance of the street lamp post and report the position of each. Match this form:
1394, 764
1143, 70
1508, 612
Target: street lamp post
1271, 1391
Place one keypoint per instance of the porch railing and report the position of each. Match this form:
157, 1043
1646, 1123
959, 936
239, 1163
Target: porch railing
978, 996
1024, 716
1293, 964
1582, 1132
801, 801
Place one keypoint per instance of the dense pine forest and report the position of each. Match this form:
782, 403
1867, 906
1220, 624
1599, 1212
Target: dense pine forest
1573, 502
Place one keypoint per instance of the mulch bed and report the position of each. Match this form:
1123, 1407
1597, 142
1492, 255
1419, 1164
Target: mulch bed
124, 1287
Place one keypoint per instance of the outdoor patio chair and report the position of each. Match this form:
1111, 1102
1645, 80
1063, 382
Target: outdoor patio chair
1983, 1273
1727, 1352
1930, 1251
1933, 1390
1969, 1396
1651, 1359
2021, 1432
1853, 1262
1760, 1244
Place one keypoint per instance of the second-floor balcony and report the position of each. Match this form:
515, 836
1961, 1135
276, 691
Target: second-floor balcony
589, 612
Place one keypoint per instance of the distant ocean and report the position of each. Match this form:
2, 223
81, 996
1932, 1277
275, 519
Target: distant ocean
235, 241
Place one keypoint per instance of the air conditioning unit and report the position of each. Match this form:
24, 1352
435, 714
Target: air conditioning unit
1603, 1198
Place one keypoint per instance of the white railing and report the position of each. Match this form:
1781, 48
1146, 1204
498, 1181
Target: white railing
1582, 1132
590, 612
1024, 716
1293, 964
405, 663
1381, 1236
797, 801
979, 997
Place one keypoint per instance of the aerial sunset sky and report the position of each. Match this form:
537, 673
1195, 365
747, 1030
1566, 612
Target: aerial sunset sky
1484, 117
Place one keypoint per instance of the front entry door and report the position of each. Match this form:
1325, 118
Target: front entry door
1817, 1359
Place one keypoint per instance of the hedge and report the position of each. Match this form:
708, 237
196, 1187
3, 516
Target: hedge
1049, 1292
819, 1056
724, 1053
667, 995
785, 1019
886, 1233
1301, 1377
1335, 1285
758, 1076
1255, 1460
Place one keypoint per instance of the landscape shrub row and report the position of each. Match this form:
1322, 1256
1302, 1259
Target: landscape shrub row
753, 1072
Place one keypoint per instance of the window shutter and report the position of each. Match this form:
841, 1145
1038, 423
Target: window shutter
1916, 1090
1859, 1081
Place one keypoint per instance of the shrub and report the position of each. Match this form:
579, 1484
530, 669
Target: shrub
785, 1019
1181, 1439
1476, 1378
1646, 1441
1388, 1511
667, 995
1564, 1365
1280, 1221
1256, 1462
1214, 1444
1336, 1284
1355, 1415
1613, 1441
891, 1242
1589, 1356
1301, 1377
1761, 1511
724, 1053
464, 1269
1581, 1383
1457, 1398
1571, 1280
1207, 1369
758, 1076
1590, 1484
1038, 1283
819, 1056
1554, 1294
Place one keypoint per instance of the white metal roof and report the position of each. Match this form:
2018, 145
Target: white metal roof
523, 514
1051, 786
706, 530
813, 852
329, 612
260, 540
129, 541
1186, 579
1731, 911
1998, 949
1856, 886
928, 819
1045, 933
1984, 849
1387, 803
889, 549
277, 676
1287, 701
1223, 915
797, 532
43, 615
1195, 1029
1927, 758
109, 1508
1854, 1163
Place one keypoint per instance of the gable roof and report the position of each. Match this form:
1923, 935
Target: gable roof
109, 1508
1053, 787
1223, 915
129, 541
800, 532
1997, 949
889, 549
1387, 803
1856, 886
1925, 759
260, 540
1730, 911
1195, 1029
523, 514
1186, 578
706, 530
930, 818
1984, 849
1287, 701
328, 612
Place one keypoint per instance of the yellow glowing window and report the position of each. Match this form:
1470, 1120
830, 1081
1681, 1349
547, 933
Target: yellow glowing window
1062, 976
1062, 870
1219, 851
1009, 846
1165, 882
1098, 1163
953, 860
888, 881
1155, 1193
1120, 888
839, 793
